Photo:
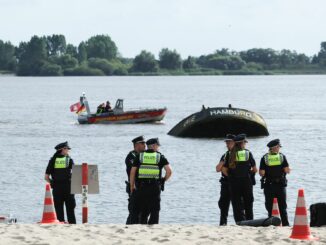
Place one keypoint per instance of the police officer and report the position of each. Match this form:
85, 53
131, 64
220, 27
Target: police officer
59, 169
146, 177
273, 168
239, 165
224, 202
139, 146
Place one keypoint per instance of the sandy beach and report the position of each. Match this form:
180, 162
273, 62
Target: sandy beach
158, 234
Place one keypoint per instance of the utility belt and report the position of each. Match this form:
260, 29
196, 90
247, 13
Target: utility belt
60, 182
149, 182
278, 181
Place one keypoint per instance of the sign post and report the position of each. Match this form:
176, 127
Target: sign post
85, 192
84, 181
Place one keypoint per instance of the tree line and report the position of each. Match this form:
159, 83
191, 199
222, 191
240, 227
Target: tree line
99, 56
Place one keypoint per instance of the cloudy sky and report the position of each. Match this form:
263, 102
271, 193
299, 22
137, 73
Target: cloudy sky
192, 27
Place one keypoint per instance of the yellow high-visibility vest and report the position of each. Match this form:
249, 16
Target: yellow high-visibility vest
149, 168
242, 156
61, 162
273, 159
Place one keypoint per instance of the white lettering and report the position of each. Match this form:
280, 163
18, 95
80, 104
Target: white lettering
216, 112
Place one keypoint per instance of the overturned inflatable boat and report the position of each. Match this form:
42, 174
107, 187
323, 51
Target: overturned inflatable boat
219, 121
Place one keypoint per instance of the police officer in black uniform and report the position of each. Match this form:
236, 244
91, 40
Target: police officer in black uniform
224, 202
239, 166
146, 177
273, 169
139, 146
58, 173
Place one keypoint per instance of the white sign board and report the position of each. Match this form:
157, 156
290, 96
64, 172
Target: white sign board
76, 180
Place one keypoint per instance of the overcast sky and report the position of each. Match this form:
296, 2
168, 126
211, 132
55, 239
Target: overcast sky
189, 26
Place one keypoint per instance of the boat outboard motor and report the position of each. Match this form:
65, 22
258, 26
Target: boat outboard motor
261, 222
84, 101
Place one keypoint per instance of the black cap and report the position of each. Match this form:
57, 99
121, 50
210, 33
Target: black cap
229, 137
274, 143
153, 141
139, 139
240, 138
62, 145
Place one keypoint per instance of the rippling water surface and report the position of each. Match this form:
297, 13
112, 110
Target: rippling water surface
35, 117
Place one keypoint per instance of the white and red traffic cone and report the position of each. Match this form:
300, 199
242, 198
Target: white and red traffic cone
301, 228
275, 210
49, 214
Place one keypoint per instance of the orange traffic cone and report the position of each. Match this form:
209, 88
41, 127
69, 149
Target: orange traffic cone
301, 228
49, 215
275, 210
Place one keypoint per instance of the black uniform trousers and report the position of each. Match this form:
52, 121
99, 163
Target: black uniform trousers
61, 197
224, 202
149, 200
276, 190
242, 198
133, 207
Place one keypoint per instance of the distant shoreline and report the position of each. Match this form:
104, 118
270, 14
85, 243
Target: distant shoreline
99, 56
199, 73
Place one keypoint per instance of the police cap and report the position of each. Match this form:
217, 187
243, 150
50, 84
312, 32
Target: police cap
240, 138
62, 145
153, 141
273, 143
229, 137
139, 139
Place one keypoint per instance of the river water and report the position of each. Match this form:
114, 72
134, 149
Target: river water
35, 117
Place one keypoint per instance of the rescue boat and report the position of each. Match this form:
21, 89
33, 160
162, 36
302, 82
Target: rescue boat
118, 115
218, 121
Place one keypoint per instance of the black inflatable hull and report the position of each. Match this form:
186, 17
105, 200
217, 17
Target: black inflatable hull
219, 121
275, 221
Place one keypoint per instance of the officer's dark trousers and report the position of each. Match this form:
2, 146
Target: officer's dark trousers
278, 191
242, 198
61, 196
133, 208
224, 202
149, 197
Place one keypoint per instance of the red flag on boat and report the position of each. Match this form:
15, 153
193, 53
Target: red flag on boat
81, 109
75, 107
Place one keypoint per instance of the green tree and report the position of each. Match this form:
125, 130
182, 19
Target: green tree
101, 64
322, 55
225, 62
72, 51
82, 52
286, 58
259, 55
83, 70
169, 59
56, 44
218, 62
223, 52
101, 46
50, 70
7, 56
145, 62
66, 61
33, 56
190, 63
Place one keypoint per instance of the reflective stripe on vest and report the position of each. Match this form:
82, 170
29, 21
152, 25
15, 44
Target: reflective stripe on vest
61, 162
273, 159
242, 156
149, 168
